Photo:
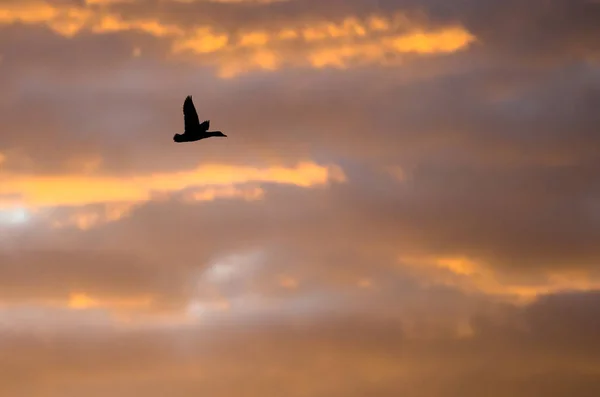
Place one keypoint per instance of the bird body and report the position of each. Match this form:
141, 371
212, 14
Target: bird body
194, 130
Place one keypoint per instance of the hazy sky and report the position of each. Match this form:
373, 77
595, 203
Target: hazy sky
407, 203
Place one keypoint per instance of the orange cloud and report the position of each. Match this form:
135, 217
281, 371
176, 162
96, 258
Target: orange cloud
38, 12
462, 266
443, 40
112, 23
288, 282
316, 44
365, 283
254, 39
87, 218
79, 300
65, 20
212, 193
323, 45
107, 2
77, 190
472, 275
203, 40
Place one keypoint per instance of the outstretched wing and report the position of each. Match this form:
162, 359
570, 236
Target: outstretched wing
205, 125
190, 117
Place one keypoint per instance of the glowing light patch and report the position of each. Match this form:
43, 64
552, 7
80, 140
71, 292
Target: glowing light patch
215, 294
233, 266
13, 216
201, 309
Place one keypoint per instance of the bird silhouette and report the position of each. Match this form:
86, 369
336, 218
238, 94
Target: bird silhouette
194, 130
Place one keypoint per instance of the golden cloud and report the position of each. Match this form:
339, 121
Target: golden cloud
120, 310
212, 193
77, 190
112, 23
353, 41
80, 300
448, 39
472, 275
87, 218
341, 46
202, 40
288, 282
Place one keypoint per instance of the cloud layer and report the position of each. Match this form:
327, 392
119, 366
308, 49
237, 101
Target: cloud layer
406, 203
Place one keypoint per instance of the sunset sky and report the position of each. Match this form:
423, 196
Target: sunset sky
407, 203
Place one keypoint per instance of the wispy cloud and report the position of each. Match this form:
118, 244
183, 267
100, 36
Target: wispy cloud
74, 190
374, 39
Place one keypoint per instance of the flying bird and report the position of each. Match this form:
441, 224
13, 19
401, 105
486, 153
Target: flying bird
194, 130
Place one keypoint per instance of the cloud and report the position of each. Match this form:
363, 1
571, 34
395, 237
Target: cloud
76, 190
406, 203
360, 236
378, 355
320, 44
